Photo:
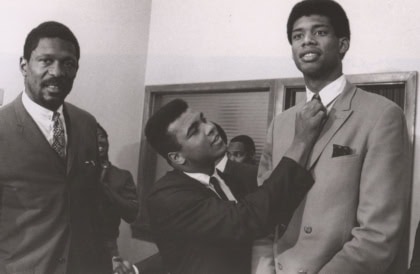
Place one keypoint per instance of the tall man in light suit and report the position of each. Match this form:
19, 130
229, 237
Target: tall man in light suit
48, 173
353, 218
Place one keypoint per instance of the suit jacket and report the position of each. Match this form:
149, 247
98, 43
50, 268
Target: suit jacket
244, 174
197, 232
353, 219
48, 208
415, 260
120, 202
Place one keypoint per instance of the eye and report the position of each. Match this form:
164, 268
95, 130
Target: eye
46, 61
321, 32
70, 64
297, 36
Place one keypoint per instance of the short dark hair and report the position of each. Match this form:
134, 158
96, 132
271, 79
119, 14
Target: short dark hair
101, 129
328, 8
156, 130
221, 132
50, 29
249, 144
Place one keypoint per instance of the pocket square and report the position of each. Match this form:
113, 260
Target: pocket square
90, 163
340, 151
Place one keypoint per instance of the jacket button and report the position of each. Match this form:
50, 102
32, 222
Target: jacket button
61, 260
282, 227
307, 229
279, 266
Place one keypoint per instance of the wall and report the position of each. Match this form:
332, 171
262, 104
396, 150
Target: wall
113, 37
220, 40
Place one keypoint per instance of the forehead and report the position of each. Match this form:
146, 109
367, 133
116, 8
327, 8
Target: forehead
183, 122
236, 146
56, 47
310, 21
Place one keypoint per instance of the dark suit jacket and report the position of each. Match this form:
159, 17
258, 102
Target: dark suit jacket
48, 208
415, 261
196, 232
244, 174
120, 202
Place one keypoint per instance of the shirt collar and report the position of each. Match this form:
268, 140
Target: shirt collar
38, 110
202, 177
330, 92
222, 164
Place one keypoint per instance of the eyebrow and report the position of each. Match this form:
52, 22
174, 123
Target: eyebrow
313, 27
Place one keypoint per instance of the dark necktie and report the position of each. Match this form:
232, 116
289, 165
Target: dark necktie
316, 97
59, 140
216, 184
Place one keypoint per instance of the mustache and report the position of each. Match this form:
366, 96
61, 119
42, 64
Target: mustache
56, 81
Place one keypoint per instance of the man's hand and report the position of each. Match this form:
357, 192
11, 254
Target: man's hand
121, 266
308, 125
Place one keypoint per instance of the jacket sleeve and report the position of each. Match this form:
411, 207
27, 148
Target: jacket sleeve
188, 213
382, 213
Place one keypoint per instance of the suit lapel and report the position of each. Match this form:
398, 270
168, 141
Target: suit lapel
31, 132
338, 115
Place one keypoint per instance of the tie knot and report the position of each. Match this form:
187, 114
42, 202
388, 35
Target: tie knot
214, 181
316, 97
56, 116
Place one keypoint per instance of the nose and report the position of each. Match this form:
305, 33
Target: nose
56, 69
210, 128
308, 39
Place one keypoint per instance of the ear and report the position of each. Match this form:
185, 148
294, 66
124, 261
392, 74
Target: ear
344, 44
176, 158
23, 65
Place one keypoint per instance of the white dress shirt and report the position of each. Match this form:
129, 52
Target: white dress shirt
205, 180
43, 118
329, 93
222, 164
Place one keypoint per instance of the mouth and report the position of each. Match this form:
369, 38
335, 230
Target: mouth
53, 88
54, 85
309, 56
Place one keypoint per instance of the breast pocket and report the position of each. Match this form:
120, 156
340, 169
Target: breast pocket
339, 169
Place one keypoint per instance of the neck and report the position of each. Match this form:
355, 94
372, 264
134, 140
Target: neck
316, 83
195, 169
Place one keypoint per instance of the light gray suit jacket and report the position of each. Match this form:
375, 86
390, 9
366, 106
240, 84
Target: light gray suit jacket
353, 218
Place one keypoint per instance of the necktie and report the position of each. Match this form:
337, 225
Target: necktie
59, 140
216, 184
316, 97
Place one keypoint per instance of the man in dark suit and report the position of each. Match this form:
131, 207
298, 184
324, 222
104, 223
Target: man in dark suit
119, 201
241, 149
245, 174
49, 216
199, 224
